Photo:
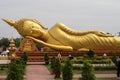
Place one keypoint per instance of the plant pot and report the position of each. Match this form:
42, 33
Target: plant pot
46, 62
57, 74
53, 71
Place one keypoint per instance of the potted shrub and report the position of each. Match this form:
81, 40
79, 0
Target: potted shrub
24, 56
46, 58
114, 58
16, 70
53, 59
87, 72
67, 71
90, 54
57, 68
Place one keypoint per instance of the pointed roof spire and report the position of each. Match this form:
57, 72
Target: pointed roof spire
12, 44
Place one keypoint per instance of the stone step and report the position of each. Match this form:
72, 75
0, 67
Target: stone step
34, 59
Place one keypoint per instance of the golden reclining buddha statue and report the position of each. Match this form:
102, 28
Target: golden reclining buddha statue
62, 38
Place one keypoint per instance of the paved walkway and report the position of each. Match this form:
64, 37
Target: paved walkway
3, 76
38, 72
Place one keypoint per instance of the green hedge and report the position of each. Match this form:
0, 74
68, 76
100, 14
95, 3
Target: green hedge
97, 68
102, 68
102, 61
77, 67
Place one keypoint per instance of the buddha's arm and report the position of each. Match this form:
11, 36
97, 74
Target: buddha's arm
57, 47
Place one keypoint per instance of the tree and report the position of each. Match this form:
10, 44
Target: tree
46, 58
67, 71
24, 56
53, 60
17, 41
38, 46
90, 54
4, 42
16, 70
57, 68
114, 58
87, 72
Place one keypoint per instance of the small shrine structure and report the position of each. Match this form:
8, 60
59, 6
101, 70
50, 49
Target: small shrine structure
28, 46
12, 50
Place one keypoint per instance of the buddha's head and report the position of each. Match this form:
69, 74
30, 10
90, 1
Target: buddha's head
27, 27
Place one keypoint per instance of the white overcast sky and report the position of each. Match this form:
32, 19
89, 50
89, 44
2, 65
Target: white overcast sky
101, 15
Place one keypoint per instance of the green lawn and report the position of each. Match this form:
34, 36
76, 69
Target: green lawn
108, 79
4, 71
2, 79
97, 72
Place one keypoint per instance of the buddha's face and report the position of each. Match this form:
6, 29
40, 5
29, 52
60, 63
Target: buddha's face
28, 27
32, 29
